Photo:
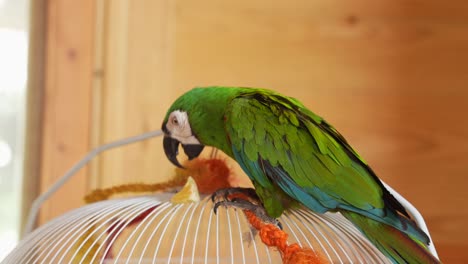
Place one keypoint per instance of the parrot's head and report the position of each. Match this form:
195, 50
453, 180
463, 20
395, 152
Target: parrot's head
196, 119
177, 131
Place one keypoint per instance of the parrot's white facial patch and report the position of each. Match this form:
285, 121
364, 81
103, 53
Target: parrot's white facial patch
179, 127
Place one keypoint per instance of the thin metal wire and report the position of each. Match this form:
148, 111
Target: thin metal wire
252, 237
325, 234
110, 231
285, 221
50, 233
350, 242
177, 233
208, 229
241, 239
187, 231
83, 227
124, 222
169, 221
162, 208
42, 244
105, 227
230, 236
301, 221
197, 228
312, 232
136, 229
169, 213
77, 230
337, 241
36, 205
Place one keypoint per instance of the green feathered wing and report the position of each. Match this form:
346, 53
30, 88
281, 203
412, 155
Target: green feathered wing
291, 154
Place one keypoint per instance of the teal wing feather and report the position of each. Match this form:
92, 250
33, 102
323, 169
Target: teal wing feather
280, 143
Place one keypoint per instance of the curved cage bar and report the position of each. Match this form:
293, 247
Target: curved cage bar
149, 229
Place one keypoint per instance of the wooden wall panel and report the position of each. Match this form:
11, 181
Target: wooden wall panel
391, 76
66, 101
134, 90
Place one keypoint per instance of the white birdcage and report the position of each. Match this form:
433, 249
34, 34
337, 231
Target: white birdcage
151, 229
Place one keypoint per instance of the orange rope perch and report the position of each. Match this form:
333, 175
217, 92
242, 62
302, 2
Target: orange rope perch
210, 175
104, 194
272, 236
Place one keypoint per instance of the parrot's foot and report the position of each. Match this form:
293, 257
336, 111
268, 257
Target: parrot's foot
235, 192
257, 209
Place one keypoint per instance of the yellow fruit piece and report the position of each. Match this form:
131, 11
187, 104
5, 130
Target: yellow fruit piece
188, 194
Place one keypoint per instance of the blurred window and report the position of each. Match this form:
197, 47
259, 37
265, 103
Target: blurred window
14, 22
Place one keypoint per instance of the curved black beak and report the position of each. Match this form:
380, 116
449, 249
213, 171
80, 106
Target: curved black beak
171, 149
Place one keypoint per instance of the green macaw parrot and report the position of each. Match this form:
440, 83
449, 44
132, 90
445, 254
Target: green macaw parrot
292, 155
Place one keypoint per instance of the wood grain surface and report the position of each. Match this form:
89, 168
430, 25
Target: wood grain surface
66, 101
392, 76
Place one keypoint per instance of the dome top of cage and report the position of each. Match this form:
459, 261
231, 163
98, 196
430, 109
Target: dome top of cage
150, 229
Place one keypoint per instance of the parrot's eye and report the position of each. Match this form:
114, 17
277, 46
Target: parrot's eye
178, 122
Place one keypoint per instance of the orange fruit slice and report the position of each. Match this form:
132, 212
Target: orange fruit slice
188, 194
